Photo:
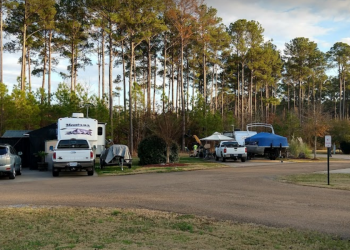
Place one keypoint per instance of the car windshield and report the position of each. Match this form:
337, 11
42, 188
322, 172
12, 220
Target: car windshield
3, 150
73, 144
230, 144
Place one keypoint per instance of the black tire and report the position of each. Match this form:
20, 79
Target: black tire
19, 171
55, 173
91, 172
223, 158
216, 158
129, 166
12, 175
243, 159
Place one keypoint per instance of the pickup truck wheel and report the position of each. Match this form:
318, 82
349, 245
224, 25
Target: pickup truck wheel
55, 173
12, 175
243, 159
223, 159
91, 172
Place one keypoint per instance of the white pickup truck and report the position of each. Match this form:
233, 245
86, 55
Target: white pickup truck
230, 150
73, 155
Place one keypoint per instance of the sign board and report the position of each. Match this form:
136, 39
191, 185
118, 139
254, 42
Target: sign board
328, 141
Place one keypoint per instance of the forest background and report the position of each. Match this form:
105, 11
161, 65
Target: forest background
188, 72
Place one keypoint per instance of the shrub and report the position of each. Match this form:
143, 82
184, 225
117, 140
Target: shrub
152, 150
345, 147
298, 148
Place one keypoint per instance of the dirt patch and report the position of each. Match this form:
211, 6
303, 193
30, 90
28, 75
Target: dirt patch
166, 165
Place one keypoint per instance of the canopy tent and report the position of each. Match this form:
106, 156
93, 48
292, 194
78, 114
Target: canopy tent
217, 137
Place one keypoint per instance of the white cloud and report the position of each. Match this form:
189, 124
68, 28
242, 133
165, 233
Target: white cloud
346, 40
286, 20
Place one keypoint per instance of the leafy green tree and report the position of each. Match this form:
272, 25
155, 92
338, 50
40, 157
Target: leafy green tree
339, 57
26, 108
73, 40
245, 35
24, 19
298, 53
136, 15
182, 19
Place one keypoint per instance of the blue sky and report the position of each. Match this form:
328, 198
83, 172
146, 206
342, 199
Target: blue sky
324, 22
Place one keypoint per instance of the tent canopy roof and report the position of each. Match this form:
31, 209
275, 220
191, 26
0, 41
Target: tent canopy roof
217, 137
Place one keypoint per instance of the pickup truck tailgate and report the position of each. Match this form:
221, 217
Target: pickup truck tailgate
73, 155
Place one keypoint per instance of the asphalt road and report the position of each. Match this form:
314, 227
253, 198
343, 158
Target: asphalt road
244, 192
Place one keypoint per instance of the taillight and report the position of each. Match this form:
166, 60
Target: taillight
245, 150
91, 154
54, 156
225, 150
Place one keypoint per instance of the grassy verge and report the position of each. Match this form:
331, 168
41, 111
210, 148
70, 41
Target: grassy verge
337, 181
93, 228
186, 163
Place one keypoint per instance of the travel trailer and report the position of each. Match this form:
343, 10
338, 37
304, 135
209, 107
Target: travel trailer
78, 127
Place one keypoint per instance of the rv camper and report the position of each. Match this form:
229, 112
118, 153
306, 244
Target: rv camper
79, 127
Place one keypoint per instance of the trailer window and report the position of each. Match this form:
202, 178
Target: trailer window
100, 131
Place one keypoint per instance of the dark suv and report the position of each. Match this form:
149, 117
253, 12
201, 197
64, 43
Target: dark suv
10, 162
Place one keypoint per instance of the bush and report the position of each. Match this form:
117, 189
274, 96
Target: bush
345, 147
152, 150
298, 149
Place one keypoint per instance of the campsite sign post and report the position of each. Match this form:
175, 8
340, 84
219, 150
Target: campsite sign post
328, 144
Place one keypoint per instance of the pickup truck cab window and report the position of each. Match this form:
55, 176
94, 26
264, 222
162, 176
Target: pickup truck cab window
230, 144
73, 144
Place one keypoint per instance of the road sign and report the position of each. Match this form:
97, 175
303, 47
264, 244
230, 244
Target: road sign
328, 141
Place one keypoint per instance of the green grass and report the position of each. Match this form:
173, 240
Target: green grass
337, 181
110, 228
191, 163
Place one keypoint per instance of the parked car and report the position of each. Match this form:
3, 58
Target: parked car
10, 161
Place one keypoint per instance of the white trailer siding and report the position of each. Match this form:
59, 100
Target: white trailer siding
79, 127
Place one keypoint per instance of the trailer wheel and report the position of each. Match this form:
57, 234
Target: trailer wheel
102, 164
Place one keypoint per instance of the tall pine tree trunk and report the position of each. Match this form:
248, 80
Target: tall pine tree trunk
155, 84
110, 79
29, 71
149, 73
103, 64
1, 44
164, 72
23, 70
49, 73
124, 76
130, 98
